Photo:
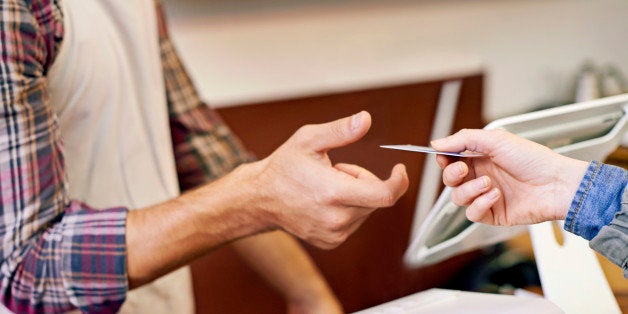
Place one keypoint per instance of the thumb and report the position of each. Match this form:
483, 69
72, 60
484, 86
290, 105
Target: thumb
475, 140
323, 137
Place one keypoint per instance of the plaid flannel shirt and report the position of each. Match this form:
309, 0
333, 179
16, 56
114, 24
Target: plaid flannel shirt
59, 254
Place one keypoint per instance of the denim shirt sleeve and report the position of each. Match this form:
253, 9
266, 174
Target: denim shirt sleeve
599, 212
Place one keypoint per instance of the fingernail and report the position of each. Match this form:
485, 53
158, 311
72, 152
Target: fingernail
493, 194
460, 169
482, 183
355, 120
435, 142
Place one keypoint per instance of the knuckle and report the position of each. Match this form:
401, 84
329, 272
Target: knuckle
500, 134
457, 198
387, 199
303, 133
331, 245
339, 238
322, 244
337, 222
328, 242
338, 130
320, 240
470, 213
501, 220
464, 131
328, 196
448, 176
305, 129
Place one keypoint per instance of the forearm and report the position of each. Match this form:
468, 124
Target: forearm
88, 258
283, 262
167, 236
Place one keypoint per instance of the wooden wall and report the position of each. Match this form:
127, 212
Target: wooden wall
367, 269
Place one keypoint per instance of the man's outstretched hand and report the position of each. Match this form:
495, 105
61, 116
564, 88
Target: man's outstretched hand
303, 193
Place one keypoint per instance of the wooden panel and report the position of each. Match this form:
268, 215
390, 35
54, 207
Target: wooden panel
367, 269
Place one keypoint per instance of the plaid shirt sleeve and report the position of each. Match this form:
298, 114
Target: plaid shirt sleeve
57, 254
204, 147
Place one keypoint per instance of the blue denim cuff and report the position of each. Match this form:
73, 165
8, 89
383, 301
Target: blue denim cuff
597, 200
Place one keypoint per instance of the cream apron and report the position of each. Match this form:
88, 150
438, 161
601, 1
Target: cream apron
107, 88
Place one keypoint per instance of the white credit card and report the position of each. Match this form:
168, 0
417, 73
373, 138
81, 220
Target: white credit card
429, 150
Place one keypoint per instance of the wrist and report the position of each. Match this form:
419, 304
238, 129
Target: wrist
230, 205
570, 175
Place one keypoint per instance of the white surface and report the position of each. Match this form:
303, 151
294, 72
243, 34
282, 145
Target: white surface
531, 50
452, 301
571, 275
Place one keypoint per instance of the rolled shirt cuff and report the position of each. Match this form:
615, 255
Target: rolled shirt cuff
597, 200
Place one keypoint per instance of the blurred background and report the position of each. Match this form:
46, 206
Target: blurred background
279, 64
530, 51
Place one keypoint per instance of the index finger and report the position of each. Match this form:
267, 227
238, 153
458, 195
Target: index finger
475, 140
